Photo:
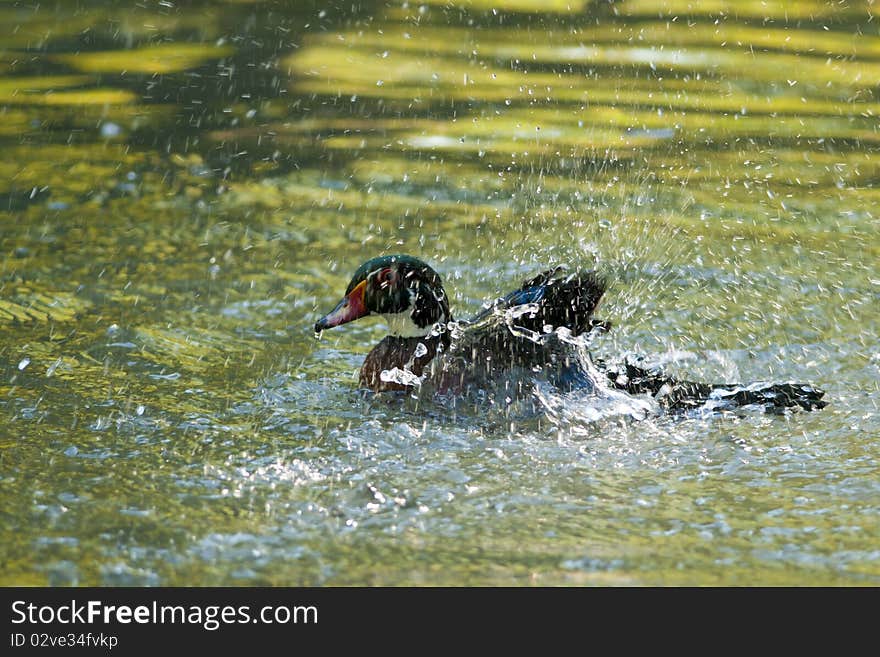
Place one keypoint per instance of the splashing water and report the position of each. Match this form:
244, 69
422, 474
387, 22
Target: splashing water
402, 376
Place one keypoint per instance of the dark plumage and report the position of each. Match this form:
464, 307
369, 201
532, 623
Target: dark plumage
557, 299
674, 394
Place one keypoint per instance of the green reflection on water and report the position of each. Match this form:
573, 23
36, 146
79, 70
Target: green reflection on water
186, 190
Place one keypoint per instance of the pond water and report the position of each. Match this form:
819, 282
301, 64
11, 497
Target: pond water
186, 187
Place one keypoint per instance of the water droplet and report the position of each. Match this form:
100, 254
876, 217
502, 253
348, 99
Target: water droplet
54, 366
397, 375
110, 130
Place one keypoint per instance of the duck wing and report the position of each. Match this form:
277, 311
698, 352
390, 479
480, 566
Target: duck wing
552, 298
506, 343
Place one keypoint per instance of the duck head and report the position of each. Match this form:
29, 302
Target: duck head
403, 290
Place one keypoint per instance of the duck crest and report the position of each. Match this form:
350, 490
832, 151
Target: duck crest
429, 303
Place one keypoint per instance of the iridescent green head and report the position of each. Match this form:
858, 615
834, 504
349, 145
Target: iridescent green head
404, 290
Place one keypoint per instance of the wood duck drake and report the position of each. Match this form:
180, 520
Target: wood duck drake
538, 328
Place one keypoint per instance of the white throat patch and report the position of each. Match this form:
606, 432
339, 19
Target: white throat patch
401, 325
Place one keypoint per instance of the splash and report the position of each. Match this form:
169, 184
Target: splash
576, 413
403, 377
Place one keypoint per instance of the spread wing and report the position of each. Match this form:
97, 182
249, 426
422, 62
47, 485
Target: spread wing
555, 299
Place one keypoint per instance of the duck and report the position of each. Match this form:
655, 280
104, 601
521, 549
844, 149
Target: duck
541, 328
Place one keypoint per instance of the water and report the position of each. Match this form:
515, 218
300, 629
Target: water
186, 189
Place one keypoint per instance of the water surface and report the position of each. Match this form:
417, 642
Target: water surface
186, 189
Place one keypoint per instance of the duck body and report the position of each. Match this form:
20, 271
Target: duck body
534, 330
542, 328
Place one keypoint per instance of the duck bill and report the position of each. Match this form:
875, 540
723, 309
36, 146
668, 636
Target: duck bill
349, 309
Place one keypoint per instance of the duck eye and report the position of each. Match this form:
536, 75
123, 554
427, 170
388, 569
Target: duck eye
385, 277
